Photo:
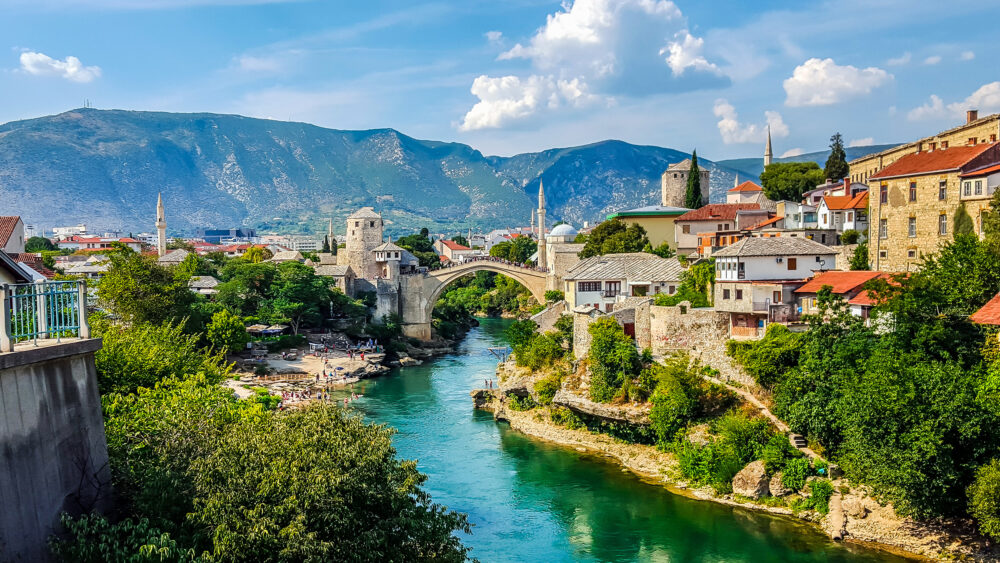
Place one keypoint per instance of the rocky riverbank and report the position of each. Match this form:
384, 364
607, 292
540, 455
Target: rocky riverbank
855, 515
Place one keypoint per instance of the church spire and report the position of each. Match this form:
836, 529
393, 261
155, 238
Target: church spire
768, 155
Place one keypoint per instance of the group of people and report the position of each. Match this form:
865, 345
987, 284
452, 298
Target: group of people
488, 383
292, 397
525, 265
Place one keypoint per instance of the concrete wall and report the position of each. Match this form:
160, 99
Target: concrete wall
701, 332
53, 454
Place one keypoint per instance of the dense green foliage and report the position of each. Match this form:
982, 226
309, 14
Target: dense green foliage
38, 244
739, 440
226, 332
680, 396
692, 195
962, 222
421, 246
546, 388
850, 236
532, 349
138, 290
789, 180
859, 258
613, 359
614, 237
517, 250
663, 250
984, 498
836, 164
908, 403
696, 286
554, 295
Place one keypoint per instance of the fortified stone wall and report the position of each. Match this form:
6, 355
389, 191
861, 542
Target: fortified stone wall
702, 332
53, 453
546, 320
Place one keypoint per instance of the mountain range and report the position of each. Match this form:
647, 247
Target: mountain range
104, 168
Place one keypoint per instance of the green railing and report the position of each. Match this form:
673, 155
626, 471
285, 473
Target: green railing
42, 310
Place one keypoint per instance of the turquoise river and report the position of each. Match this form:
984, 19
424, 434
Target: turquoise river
529, 500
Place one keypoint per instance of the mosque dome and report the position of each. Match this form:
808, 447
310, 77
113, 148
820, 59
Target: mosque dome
564, 230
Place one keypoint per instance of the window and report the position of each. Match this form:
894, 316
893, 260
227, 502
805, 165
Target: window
931, 146
979, 187
739, 294
883, 228
942, 224
944, 144
850, 216
357, 223
776, 297
942, 190
883, 253
613, 287
671, 289
971, 142
371, 223
686, 229
967, 188
913, 191
588, 286
793, 263
718, 227
911, 227
725, 294
883, 193
824, 218
911, 253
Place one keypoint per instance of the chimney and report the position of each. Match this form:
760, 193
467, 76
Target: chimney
971, 115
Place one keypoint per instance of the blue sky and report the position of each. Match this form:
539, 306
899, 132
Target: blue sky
520, 75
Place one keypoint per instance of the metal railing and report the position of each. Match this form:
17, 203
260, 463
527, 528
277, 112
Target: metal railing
42, 310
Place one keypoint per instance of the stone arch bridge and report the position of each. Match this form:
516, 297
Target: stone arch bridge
419, 293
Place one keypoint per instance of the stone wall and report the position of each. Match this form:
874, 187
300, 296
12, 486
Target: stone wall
546, 320
702, 332
844, 254
53, 453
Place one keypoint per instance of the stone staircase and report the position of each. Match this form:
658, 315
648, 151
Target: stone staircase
798, 441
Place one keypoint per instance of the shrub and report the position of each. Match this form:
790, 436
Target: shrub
850, 236
520, 333
554, 295
285, 342
778, 452
226, 332
93, 539
613, 359
518, 403
820, 492
565, 417
795, 473
984, 498
768, 359
547, 387
539, 352
740, 441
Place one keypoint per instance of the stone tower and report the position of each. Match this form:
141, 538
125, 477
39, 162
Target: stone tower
161, 227
673, 184
768, 156
542, 261
364, 234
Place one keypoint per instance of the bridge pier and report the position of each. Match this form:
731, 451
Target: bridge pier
420, 331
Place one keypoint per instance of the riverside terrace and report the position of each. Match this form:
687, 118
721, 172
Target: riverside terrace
53, 453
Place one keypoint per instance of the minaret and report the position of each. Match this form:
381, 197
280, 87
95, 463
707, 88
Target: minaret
767, 148
329, 236
542, 261
161, 227
736, 182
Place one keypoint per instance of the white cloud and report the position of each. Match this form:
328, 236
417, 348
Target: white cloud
932, 60
506, 99
865, 142
251, 63
733, 131
822, 82
792, 152
494, 37
70, 68
685, 52
900, 60
966, 56
986, 98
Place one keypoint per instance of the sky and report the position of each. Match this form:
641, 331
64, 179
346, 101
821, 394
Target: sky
516, 76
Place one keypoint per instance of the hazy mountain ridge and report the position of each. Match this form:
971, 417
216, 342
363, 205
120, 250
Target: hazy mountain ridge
105, 167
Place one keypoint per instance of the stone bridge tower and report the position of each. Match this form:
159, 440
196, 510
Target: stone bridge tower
364, 234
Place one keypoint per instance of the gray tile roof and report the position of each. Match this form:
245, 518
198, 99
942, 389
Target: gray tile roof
287, 256
202, 282
387, 246
631, 266
174, 256
774, 246
333, 270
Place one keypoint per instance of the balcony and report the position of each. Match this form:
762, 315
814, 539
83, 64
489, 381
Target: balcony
43, 312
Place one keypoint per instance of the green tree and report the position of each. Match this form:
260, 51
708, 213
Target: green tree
326, 244
298, 294
836, 164
227, 333
553, 295
859, 258
613, 359
256, 255
692, 197
38, 244
963, 224
615, 237
520, 333
984, 498
517, 250
138, 290
421, 246
180, 244
459, 239
789, 180
663, 250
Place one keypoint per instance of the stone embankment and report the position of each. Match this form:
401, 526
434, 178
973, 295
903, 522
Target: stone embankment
854, 515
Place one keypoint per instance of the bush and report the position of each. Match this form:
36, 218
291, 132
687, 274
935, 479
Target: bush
547, 387
565, 417
286, 342
541, 351
795, 472
768, 359
554, 295
613, 359
778, 452
820, 492
740, 441
518, 403
984, 498
226, 332
520, 333
93, 539
850, 236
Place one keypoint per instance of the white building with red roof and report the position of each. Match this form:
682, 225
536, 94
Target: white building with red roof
714, 218
98, 244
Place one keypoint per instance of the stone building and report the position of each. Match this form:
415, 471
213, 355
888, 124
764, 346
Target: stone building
913, 201
673, 184
364, 233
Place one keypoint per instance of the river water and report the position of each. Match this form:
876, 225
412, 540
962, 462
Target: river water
533, 501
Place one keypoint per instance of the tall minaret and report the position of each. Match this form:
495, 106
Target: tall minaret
767, 148
542, 259
161, 227
736, 182
329, 236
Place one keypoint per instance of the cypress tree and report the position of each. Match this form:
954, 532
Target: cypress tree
326, 243
963, 222
692, 199
836, 164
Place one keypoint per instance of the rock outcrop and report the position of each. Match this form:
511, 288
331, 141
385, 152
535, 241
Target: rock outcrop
621, 413
776, 487
752, 481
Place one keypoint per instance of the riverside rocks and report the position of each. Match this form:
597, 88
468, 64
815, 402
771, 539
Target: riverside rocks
621, 413
752, 481
777, 488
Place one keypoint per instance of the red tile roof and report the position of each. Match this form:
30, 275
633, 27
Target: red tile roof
865, 299
717, 211
982, 171
124, 240
7, 225
932, 161
770, 221
454, 245
989, 314
841, 202
34, 261
841, 282
747, 186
